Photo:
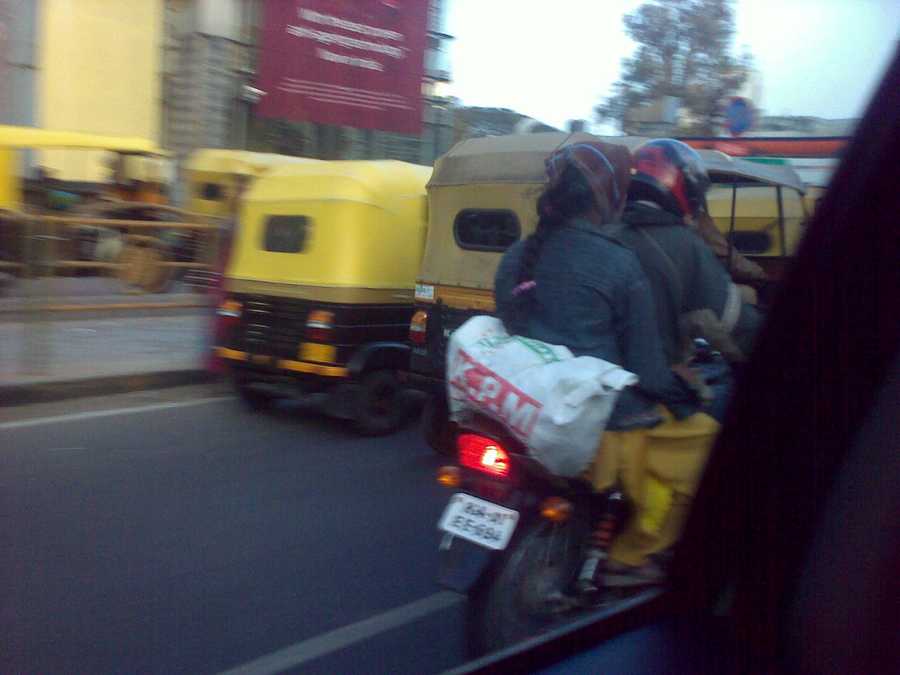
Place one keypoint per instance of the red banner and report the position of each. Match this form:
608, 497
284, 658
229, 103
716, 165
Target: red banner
356, 63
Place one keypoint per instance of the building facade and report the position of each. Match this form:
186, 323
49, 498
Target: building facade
180, 73
211, 50
81, 65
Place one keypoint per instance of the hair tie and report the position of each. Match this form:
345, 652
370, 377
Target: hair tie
524, 287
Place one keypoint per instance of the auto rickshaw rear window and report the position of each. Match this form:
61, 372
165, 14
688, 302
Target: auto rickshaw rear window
211, 191
751, 243
286, 234
486, 229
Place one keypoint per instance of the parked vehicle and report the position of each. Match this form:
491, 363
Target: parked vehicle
138, 168
319, 287
94, 226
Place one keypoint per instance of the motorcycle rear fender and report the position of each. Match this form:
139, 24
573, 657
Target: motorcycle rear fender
462, 564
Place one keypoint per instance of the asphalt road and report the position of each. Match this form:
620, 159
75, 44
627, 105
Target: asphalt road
186, 535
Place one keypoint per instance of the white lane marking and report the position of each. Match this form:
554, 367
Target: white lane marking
93, 414
340, 638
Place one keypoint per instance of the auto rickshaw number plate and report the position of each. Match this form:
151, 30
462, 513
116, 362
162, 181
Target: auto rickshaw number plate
424, 292
479, 521
311, 351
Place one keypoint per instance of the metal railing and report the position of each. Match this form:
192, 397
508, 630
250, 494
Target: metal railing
139, 252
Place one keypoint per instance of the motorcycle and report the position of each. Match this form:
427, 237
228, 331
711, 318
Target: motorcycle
522, 543
515, 538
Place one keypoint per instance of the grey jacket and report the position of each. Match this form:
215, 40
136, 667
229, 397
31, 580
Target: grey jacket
685, 278
592, 296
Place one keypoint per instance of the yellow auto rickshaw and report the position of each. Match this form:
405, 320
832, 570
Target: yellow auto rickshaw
319, 288
760, 207
482, 199
215, 176
138, 165
130, 184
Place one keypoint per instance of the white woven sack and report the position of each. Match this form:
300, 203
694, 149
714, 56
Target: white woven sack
556, 404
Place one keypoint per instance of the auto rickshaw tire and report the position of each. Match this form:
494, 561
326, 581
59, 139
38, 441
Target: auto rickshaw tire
252, 398
380, 407
436, 427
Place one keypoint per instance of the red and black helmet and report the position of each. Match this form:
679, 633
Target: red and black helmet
671, 174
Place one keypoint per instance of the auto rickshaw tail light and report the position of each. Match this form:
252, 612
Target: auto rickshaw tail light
418, 327
230, 309
320, 326
484, 454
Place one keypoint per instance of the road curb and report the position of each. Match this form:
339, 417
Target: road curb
45, 392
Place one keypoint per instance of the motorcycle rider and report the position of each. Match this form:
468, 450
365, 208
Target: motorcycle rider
574, 283
694, 295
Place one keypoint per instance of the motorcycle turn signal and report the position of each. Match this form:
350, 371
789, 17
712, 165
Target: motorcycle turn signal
449, 476
556, 509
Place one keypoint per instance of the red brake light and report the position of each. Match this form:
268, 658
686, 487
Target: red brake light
483, 454
230, 310
418, 327
320, 326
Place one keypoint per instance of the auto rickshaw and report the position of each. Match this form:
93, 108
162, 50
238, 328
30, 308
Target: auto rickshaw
759, 206
214, 176
482, 199
137, 164
216, 179
319, 287
136, 189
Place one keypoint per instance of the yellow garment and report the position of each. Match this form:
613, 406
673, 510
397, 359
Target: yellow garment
658, 469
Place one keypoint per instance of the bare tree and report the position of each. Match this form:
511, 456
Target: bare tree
683, 51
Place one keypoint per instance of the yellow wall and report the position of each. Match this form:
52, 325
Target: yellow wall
99, 72
10, 194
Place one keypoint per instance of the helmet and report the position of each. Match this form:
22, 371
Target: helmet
671, 174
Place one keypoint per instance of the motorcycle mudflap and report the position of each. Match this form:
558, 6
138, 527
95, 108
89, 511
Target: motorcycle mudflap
461, 565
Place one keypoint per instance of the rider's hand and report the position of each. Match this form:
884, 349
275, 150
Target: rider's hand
694, 381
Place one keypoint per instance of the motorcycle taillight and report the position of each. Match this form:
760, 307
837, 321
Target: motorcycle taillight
484, 454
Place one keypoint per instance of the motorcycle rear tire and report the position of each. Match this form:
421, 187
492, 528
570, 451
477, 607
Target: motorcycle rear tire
495, 615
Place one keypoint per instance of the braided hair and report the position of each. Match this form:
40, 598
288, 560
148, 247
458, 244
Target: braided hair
560, 201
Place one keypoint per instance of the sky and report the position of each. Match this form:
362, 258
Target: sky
556, 60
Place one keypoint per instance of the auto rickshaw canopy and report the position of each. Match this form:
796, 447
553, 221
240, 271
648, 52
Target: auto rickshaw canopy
340, 231
214, 174
140, 158
33, 137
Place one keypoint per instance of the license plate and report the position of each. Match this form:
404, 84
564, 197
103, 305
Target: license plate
311, 351
424, 292
479, 521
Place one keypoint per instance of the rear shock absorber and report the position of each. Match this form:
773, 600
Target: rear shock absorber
600, 540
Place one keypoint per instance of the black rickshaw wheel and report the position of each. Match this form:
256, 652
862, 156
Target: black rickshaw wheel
250, 396
381, 407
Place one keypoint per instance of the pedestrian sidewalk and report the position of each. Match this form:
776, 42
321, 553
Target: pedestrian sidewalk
82, 293
144, 352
